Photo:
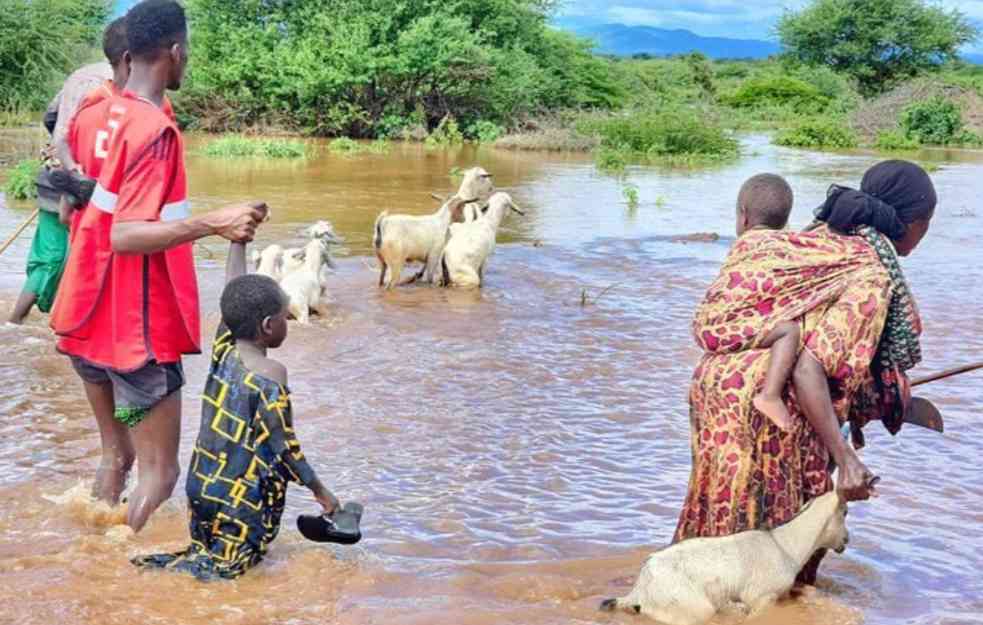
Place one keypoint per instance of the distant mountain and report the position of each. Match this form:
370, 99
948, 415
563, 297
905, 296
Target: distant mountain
622, 40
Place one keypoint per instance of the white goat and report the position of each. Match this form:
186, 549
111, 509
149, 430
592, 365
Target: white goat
477, 185
304, 286
400, 239
269, 263
323, 230
687, 583
293, 259
472, 243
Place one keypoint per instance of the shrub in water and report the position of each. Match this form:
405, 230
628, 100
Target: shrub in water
21, 180
818, 132
484, 131
344, 145
237, 146
933, 122
283, 148
611, 160
630, 193
770, 91
895, 140
662, 133
447, 133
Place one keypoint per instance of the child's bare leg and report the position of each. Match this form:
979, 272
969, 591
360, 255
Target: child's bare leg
784, 344
855, 480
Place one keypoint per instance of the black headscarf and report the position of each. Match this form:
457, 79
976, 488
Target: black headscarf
892, 195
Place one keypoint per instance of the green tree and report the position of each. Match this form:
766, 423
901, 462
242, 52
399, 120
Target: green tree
41, 41
369, 67
878, 42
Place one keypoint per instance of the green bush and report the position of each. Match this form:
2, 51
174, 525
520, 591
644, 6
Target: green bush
895, 140
782, 91
818, 132
446, 134
877, 42
484, 131
344, 145
41, 42
21, 180
237, 146
662, 133
371, 68
968, 138
933, 122
611, 160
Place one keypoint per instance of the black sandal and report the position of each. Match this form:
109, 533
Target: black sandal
342, 526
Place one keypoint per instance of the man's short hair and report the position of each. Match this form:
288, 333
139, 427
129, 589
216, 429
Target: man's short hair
247, 301
114, 43
154, 26
767, 199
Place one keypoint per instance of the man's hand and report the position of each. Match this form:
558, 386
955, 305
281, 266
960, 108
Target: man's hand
238, 223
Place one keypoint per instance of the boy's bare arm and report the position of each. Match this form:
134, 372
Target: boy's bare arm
235, 265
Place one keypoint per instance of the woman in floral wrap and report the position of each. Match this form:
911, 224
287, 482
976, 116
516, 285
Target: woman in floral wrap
841, 281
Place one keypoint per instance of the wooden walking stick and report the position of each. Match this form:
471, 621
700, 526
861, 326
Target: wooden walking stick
948, 373
922, 412
21, 229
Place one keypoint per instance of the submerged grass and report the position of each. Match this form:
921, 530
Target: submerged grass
21, 179
345, 145
238, 146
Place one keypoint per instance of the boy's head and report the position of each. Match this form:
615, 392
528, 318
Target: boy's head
254, 308
114, 43
765, 201
157, 34
115, 46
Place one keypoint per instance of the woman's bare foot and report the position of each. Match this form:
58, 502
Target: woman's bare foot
773, 408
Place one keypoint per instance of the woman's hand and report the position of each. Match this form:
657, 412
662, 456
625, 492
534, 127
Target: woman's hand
855, 481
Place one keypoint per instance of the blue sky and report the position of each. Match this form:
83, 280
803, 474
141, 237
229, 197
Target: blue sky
742, 19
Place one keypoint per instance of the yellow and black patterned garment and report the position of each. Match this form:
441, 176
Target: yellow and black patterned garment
245, 455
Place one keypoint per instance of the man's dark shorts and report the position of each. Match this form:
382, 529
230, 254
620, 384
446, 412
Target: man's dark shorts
137, 392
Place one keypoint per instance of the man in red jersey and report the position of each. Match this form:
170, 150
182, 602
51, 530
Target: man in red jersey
128, 307
115, 46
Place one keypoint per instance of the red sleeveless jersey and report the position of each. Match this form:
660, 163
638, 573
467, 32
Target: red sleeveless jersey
117, 310
81, 143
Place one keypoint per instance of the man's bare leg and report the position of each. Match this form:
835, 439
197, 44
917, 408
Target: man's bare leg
117, 448
784, 344
25, 302
156, 440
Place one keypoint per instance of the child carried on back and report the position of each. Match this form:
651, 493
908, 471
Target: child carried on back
247, 451
763, 207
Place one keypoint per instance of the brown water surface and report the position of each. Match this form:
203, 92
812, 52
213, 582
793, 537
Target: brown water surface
518, 454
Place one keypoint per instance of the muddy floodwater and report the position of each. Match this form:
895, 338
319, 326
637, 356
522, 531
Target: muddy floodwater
518, 454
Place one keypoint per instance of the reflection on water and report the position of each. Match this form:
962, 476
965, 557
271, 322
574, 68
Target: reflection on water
518, 454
